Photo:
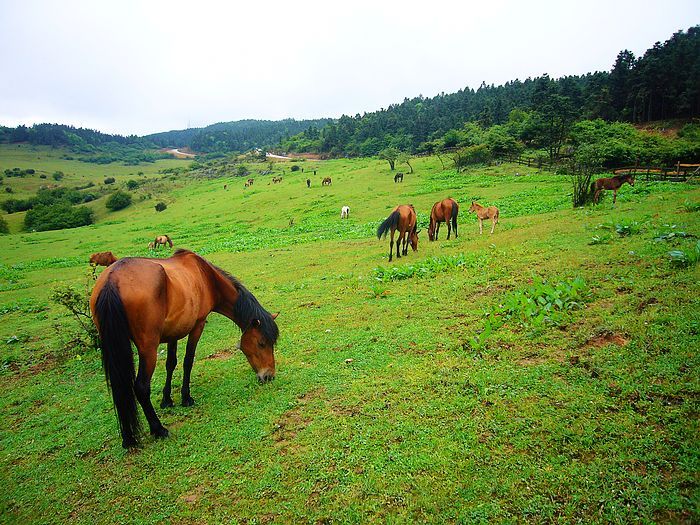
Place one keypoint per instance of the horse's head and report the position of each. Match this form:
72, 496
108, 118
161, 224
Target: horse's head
631, 180
431, 230
414, 239
472, 207
259, 351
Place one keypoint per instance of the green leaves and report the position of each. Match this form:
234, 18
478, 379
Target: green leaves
685, 258
425, 268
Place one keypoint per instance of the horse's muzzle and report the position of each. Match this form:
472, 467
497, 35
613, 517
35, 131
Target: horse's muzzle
265, 376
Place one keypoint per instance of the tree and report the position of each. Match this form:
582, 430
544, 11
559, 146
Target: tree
161, 206
390, 155
405, 158
132, 185
118, 201
58, 175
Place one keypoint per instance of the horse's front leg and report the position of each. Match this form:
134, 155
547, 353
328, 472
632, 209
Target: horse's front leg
192, 341
493, 225
437, 229
170, 365
614, 197
142, 388
481, 226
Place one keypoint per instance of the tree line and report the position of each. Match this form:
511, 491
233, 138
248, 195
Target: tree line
664, 83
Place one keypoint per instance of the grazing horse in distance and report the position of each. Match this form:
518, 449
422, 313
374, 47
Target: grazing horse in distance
250, 182
345, 212
482, 213
160, 240
153, 301
445, 211
612, 183
102, 259
402, 218
308, 183
275, 180
398, 177
326, 181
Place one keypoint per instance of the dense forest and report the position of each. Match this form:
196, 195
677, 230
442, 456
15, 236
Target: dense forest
662, 84
242, 135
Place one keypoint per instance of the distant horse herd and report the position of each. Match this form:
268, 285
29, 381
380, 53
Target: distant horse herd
150, 301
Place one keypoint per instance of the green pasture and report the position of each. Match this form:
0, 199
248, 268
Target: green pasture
391, 404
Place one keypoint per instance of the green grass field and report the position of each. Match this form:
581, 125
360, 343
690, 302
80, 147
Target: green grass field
391, 404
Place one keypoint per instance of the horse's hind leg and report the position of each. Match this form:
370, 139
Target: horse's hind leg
614, 197
142, 388
170, 365
192, 341
449, 229
391, 246
493, 224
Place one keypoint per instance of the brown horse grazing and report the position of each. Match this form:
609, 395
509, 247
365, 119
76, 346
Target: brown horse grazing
445, 211
402, 218
161, 240
612, 183
153, 301
326, 181
102, 259
484, 213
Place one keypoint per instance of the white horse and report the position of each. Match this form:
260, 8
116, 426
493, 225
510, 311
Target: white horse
345, 212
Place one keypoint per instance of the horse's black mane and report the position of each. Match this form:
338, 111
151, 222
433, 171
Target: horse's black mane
247, 308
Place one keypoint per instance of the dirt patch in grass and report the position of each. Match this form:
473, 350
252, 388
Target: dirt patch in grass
222, 354
607, 338
294, 420
646, 302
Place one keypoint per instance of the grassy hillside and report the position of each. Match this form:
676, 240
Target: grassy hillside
388, 405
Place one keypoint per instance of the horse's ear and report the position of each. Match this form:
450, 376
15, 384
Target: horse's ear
274, 316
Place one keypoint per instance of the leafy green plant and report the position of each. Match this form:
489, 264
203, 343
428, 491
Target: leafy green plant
624, 228
4, 228
77, 302
691, 206
425, 268
599, 239
685, 258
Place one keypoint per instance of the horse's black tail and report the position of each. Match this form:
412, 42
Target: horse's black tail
118, 361
455, 210
392, 221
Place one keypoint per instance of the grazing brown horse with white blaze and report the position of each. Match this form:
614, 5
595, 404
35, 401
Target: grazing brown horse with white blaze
612, 183
483, 212
153, 301
445, 211
402, 218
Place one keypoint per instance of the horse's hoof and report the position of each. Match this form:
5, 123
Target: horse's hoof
187, 402
129, 443
167, 403
161, 433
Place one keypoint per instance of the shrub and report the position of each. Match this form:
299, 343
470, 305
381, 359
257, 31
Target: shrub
132, 185
15, 205
295, 168
4, 228
8, 189
109, 180
161, 206
57, 217
118, 201
78, 305
42, 176
57, 175
242, 171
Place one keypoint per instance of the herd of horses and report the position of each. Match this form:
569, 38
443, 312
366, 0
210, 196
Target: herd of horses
152, 301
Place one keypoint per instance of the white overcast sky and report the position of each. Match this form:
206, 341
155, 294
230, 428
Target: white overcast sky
145, 66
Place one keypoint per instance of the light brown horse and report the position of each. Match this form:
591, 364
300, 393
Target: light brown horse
153, 301
402, 218
482, 213
445, 211
102, 259
160, 240
612, 183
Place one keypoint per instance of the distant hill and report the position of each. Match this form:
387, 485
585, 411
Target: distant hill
241, 135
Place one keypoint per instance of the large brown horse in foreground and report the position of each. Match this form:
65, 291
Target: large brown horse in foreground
402, 218
445, 211
612, 183
483, 212
153, 301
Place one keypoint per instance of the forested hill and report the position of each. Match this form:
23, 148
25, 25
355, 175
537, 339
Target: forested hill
662, 84
241, 135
